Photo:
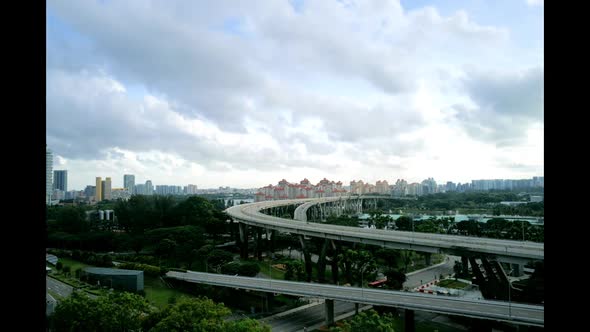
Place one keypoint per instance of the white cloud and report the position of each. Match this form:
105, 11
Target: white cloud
535, 2
244, 94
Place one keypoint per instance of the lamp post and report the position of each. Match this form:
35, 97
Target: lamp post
509, 299
362, 274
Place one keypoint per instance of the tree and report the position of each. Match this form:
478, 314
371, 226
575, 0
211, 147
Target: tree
66, 270
166, 248
379, 219
427, 226
368, 320
231, 268
248, 269
72, 219
469, 227
246, 325
358, 265
395, 279
389, 257
294, 270
218, 257
193, 314
404, 223
113, 312
59, 266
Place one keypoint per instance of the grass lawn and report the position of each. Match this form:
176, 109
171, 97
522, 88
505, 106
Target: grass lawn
55, 296
450, 283
157, 293
72, 264
69, 280
275, 273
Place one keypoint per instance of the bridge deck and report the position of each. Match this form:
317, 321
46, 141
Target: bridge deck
484, 309
504, 250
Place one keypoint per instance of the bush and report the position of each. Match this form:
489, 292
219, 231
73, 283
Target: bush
76, 254
59, 266
149, 270
232, 268
248, 269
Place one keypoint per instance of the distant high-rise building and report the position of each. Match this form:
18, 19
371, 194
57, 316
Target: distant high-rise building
149, 188
140, 189
451, 186
106, 194
90, 192
60, 180
191, 189
98, 191
48, 175
129, 183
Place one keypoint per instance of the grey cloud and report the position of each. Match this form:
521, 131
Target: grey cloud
86, 118
512, 94
171, 48
506, 106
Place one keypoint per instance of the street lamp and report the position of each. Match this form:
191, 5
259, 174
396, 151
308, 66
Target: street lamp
362, 274
509, 300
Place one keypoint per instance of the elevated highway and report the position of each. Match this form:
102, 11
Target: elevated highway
502, 250
483, 309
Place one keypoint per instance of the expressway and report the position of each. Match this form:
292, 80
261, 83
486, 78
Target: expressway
483, 309
503, 250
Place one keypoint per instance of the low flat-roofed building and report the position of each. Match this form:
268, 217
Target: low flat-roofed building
129, 280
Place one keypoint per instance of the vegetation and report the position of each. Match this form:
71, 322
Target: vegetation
488, 202
129, 312
368, 320
155, 234
449, 283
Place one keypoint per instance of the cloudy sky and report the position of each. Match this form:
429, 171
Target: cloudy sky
245, 93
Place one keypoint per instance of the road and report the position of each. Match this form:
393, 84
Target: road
424, 276
58, 287
484, 309
61, 289
308, 317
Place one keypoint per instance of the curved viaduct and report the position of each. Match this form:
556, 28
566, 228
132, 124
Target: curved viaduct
502, 250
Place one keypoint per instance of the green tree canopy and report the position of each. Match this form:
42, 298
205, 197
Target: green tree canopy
120, 311
368, 320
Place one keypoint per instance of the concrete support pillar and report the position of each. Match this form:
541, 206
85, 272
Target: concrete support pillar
272, 236
427, 258
322, 262
517, 270
259, 243
409, 323
356, 308
307, 258
329, 308
334, 262
465, 265
243, 241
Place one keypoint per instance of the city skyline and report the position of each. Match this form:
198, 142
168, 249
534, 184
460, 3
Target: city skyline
392, 181
451, 90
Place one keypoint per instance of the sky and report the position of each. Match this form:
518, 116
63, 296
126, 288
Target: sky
246, 93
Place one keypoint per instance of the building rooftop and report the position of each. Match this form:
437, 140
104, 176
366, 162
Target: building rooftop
104, 270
